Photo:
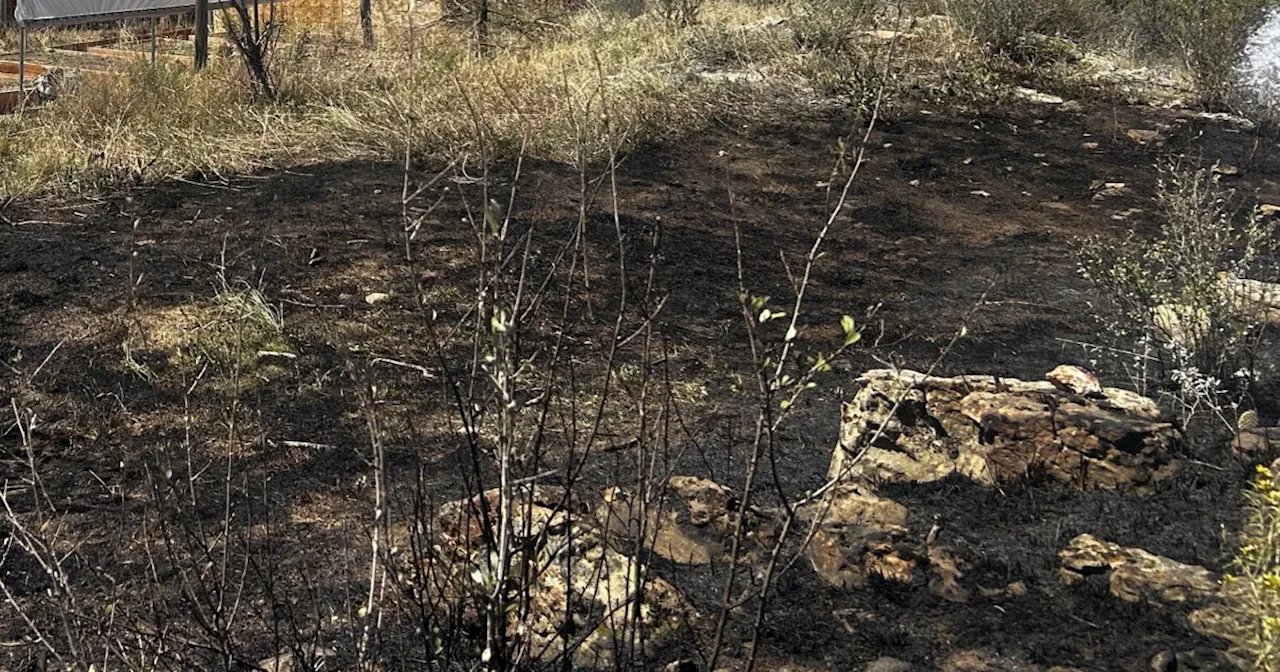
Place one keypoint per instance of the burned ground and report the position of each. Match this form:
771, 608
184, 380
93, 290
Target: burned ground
952, 209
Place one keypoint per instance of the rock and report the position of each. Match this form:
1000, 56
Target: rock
1268, 210
887, 35
852, 504
1103, 190
1134, 575
1230, 119
847, 556
981, 660
903, 426
1181, 325
860, 535
694, 526
888, 664
1126, 214
1225, 169
1075, 380
1146, 136
945, 575
1072, 106
1089, 146
1033, 96
767, 22
730, 76
1258, 441
374, 298
1205, 659
566, 561
1256, 300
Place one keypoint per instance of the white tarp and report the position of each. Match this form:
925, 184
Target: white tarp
46, 12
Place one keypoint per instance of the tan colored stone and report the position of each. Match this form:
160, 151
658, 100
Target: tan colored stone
693, 525
1134, 575
563, 560
846, 556
1075, 380
1258, 441
945, 575
903, 426
1144, 136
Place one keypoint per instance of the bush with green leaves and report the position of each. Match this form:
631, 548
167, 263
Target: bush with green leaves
1173, 300
1016, 28
1250, 616
828, 27
1206, 37
1211, 38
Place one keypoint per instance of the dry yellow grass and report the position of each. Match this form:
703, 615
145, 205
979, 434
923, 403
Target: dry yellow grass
604, 80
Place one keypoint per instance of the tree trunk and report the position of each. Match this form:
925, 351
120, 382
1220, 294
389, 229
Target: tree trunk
253, 41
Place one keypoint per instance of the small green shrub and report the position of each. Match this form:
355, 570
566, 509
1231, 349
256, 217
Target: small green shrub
1253, 586
1017, 28
1173, 298
1206, 37
1211, 37
828, 27
728, 47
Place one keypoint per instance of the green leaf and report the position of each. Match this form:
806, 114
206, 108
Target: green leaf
493, 216
846, 323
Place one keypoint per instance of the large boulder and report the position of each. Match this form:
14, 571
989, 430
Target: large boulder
908, 426
585, 599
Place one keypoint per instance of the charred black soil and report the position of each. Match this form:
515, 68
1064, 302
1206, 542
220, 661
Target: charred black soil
951, 214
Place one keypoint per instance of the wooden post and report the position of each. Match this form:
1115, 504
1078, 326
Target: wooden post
366, 22
153, 39
202, 34
482, 26
22, 69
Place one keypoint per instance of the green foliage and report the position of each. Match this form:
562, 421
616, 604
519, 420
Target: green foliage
680, 12
1211, 37
1253, 587
726, 47
827, 27
1207, 37
238, 325
1016, 28
1171, 297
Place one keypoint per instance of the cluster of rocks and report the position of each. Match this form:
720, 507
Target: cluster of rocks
589, 597
904, 426
901, 426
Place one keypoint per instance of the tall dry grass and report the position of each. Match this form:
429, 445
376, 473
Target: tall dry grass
632, 79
